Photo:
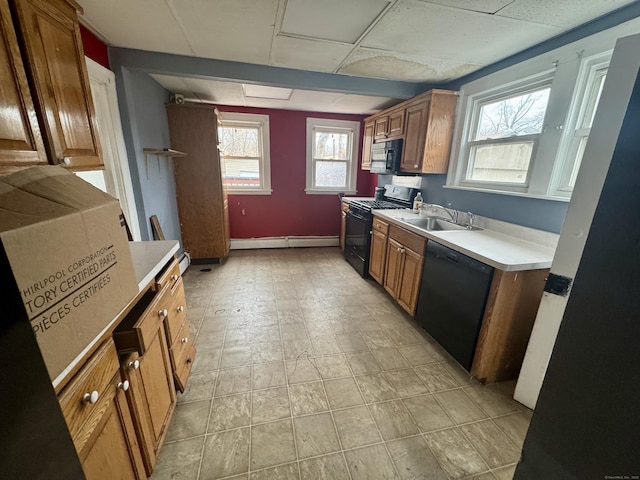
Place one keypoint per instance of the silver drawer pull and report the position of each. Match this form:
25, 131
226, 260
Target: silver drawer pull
124, 386
174, 277
134, 365
163, 313
185, 340
91, 398
180, 308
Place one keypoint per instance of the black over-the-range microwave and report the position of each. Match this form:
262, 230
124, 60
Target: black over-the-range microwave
385, 156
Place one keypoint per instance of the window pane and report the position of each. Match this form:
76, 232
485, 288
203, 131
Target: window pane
241, 172
505, 163
240, 141
518, 115
331, 174
331, 145
577, 162
593, 98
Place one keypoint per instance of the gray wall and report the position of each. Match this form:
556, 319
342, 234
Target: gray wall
545, 215
144, 122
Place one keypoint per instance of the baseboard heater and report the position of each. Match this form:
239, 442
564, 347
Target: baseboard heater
283, 242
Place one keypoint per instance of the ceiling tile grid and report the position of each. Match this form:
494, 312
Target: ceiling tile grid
304, 54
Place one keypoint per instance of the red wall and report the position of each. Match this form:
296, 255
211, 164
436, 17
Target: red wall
289, 211
94, 48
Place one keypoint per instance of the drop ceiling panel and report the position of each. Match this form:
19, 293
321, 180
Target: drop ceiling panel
226, 93
305, 54
419, 28
238, 30
362, 104
411, 68
143, 24
486, 6
568, 13
174, 85
337, 20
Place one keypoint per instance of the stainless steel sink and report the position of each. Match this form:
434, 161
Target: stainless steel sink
436, 224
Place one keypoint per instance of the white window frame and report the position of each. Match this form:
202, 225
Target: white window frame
228, 119
339, 126
584, 95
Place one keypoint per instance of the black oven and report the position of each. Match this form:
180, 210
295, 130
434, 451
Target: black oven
357, 240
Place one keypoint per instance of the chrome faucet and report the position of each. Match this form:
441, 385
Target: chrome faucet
453, 216
470, 222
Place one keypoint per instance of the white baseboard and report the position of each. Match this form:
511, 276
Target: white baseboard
283, 242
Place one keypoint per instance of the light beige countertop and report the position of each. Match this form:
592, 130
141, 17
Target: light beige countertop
502, 245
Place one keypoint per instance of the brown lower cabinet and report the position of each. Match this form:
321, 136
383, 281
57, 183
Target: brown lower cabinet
378, 253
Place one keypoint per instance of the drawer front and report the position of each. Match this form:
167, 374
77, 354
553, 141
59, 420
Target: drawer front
169, 276
138, 333
183, 354
380, 226
90, 384
177, 313
408, 239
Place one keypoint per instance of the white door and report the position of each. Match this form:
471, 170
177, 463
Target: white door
115, 179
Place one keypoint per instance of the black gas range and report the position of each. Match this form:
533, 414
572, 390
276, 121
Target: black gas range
360, 223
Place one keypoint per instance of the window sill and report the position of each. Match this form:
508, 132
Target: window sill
231, 191
329, 192
505, 192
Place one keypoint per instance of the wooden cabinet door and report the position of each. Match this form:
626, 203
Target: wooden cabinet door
413, 146
151, 395
112, 451
20, 139
226, 228
380, 128
344, 207
396, 124
393, 266
410, 277
55, 60
439, 132
367, 143
378, 256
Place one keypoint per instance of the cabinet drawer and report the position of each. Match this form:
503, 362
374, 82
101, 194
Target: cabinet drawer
380, 226
177, 312
91, 383
137, 330
169, 276
408, 239
183, 354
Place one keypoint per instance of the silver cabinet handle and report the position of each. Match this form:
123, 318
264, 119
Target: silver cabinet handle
163, 313
180, 308
185, 340
134, 365
174, 277
124, 386
91, 398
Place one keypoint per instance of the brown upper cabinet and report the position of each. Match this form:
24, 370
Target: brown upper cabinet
53, 116
425, 123
367, 142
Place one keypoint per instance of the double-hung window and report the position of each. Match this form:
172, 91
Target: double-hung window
332, 155
244, 145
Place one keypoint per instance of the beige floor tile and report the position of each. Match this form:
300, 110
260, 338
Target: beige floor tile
418, 354
225, 454
490, 401
301, 370
332, 366
342, 393
267, 375
315, 435
328, 467
271, 404
291, 332
436, 377
308, 398
406, 382
179, 460
356, 427
389, 358
414, 460
206, 361
229, 412
483, 476
376, 388
403, 336
362, 362
189, 420
515, 426
376, 338
199, 387
393, 419
207, 340
236, 357
459, 374
233, 380
369, 463
267, 352
427, 413
494, 446
272, 444
505, 473
455, 453
288, 305
297, 347
459, 406
351, 342
281, 472
325, 344
290, 317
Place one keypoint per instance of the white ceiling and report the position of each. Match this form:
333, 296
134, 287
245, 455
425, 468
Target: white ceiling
410, 40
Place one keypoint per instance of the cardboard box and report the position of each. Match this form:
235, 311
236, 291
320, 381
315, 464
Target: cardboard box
68, 255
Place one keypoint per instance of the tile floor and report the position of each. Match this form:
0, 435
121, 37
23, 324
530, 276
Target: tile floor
306, 371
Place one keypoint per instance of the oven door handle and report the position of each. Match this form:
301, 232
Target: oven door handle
355, 215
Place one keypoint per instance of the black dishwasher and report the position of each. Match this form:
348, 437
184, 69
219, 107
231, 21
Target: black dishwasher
452, 298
